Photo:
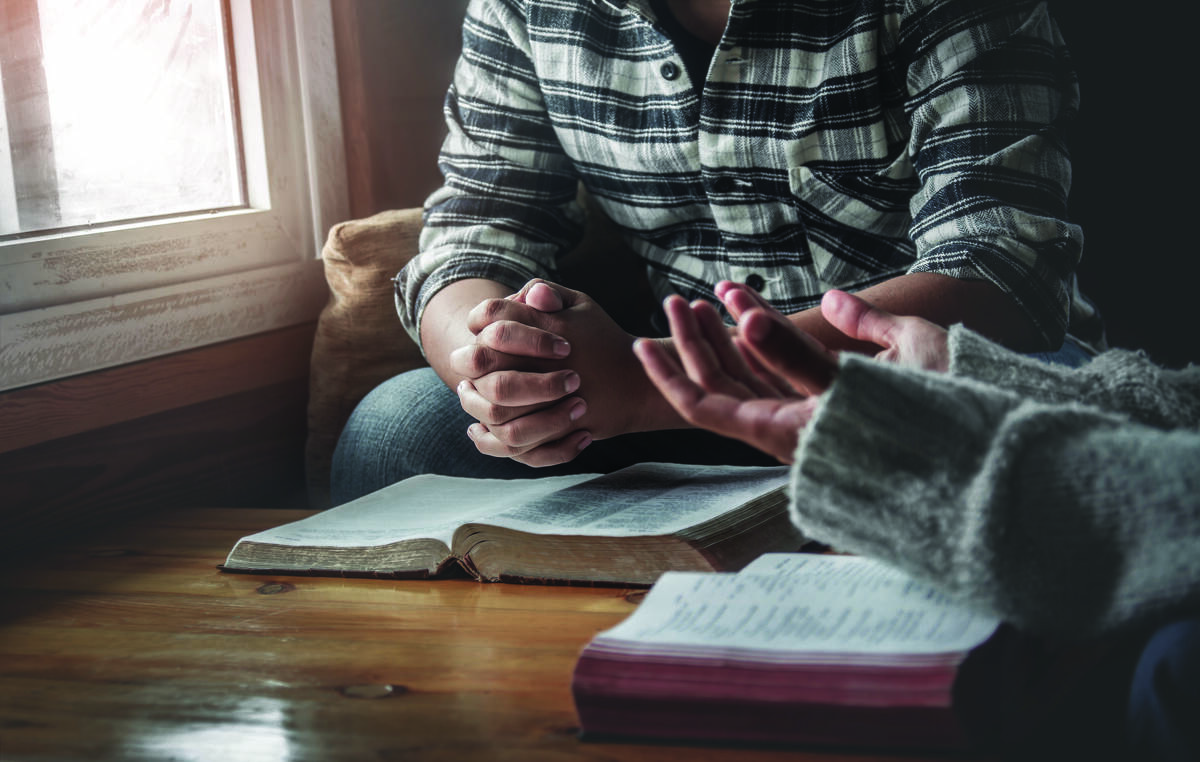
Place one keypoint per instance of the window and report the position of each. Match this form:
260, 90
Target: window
99, 106
168, 169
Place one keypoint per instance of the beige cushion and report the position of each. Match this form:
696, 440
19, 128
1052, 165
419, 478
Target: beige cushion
359, 342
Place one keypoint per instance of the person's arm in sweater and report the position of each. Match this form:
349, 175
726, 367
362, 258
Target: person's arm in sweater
1119, 381
1059, 517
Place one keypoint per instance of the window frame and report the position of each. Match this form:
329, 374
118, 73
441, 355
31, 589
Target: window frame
81, 300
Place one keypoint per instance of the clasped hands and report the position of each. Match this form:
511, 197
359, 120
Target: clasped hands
549, 371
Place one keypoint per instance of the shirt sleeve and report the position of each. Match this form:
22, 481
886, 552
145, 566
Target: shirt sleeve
507, 207
990, 91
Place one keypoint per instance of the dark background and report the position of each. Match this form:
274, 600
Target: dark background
1134, 156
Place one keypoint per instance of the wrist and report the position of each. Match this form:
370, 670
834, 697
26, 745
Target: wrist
653, 412
443, 326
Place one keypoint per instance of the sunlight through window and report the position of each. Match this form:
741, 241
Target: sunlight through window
116, 110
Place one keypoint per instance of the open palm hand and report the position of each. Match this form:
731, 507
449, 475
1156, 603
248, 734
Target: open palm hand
762, 384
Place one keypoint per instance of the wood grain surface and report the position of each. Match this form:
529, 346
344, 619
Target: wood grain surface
132, 645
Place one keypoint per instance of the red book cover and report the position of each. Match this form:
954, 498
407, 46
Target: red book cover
796, 648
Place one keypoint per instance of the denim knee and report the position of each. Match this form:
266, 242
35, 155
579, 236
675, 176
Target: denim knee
413, 424
408, 425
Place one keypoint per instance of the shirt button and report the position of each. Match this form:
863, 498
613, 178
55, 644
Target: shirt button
669, 70
755, 281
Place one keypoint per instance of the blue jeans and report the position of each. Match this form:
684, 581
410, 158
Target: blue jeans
1131, 696
1069, 354
413, 424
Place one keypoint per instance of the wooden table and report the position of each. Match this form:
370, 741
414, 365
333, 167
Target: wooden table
131, 645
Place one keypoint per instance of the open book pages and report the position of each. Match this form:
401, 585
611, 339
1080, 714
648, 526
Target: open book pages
795, 648
624, 527
801, 608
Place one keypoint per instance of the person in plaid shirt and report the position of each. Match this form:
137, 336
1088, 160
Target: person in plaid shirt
911, 151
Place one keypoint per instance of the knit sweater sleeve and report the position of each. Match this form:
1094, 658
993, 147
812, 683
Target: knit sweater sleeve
1119, 381
1060, 518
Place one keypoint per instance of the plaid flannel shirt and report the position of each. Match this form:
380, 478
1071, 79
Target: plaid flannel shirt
833, 145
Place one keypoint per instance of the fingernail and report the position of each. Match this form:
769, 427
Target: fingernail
463, 386
562, 348
584, 442
577, 410
571, 383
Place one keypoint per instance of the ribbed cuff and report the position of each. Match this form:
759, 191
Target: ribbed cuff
972, 356
883, 467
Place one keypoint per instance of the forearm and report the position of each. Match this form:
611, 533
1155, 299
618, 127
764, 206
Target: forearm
444, 322
1118, 381
1020, 508
655, 412
940, 299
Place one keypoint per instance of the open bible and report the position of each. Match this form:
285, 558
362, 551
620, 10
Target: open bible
795, 648
627, 527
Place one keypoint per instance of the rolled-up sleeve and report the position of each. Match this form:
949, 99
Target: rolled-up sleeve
507, 207
990, 92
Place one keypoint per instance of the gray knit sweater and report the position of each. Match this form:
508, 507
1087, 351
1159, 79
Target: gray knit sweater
1064, 501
